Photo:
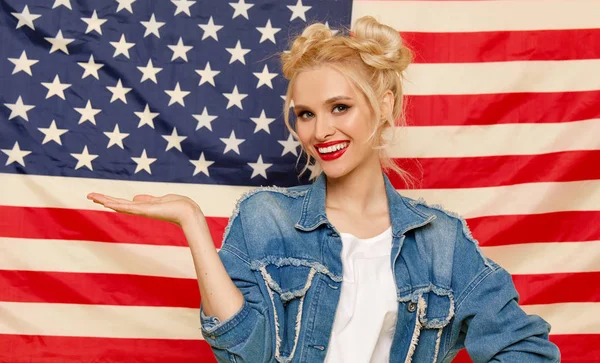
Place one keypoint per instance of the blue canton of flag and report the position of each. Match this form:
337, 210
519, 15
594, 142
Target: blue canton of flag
174, 91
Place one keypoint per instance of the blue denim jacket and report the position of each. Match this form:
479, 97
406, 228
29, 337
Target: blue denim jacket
284, 255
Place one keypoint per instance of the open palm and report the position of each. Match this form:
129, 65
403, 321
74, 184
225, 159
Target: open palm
171, 207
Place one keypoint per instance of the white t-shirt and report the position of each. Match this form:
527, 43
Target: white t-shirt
365, 318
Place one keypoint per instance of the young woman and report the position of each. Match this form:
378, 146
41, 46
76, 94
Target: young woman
347, 269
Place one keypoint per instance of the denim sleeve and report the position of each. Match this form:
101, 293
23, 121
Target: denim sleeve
497, 329
246, 336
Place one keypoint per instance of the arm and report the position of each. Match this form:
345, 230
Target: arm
497, 329
232, 311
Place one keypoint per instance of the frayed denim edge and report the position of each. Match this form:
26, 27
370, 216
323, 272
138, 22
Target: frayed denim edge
280, 190
418, 294
465, 227
291, 261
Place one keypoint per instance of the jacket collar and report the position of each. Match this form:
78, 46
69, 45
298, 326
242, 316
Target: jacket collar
403, 215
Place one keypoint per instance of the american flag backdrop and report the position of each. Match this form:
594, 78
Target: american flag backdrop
154, 96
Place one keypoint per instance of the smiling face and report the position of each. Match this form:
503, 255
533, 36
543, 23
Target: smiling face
333, 121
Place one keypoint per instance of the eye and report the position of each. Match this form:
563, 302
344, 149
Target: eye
305, 114
340, 108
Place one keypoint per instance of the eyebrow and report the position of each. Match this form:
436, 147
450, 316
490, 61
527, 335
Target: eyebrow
328, 102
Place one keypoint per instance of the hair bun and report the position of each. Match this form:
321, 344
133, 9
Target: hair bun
313, 34
380, 46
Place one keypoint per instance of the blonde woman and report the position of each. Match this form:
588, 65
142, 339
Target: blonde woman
346, 269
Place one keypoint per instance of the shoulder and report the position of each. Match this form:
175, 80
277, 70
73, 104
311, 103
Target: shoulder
266, 197
450, 228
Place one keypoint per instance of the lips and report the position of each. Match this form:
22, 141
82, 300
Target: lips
329, 151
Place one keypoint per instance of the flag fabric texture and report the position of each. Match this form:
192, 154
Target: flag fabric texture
126, 97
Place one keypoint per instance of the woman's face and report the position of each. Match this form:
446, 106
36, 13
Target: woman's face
333, 121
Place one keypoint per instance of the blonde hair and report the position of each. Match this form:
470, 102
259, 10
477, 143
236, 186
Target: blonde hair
372, 58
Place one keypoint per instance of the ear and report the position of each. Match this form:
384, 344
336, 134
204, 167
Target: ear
387, 105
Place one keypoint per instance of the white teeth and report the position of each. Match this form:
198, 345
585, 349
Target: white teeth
330, 149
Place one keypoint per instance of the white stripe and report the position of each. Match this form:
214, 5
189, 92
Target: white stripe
60, 192
530, 198
95, 257
176, 262
103, 321
493, 140
470, 16
569, 318
547, 258
182, 323
44, 191
502, 77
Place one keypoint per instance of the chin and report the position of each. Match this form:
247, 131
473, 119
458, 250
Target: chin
335, 171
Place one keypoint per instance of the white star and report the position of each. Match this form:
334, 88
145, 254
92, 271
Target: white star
210, 29
149, 72
334, 31
19, 109
183, 6
16, 155
238, 53
88, 113
204, 120
122, 47
201, 165
65, 3
94, 23
262, 122
125, 4
116, 137
152, 26
241, 8
231, 143
56, 88
52, 133
177, 95
264, 77
289, 146
146, 117
268, 32
84, 159
59, 43
25, 18
119, 92
143, 162
259, 168
207, 75
298, 10
22, 64
235, 98
180, 50
90, 68
174, 140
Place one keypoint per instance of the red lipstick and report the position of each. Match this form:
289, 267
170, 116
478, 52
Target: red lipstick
331, 155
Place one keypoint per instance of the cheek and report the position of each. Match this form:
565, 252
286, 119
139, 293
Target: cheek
304, 132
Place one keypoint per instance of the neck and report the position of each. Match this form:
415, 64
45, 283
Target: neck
362, 191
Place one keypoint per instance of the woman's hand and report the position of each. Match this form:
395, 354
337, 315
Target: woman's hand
171, 207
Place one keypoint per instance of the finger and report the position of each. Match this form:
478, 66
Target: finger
103, 199
129, 208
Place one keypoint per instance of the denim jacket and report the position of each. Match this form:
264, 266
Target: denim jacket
284, 255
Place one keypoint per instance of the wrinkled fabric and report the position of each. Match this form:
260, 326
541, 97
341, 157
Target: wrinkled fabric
285, 257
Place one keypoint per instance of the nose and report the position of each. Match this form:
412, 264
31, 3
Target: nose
324, 128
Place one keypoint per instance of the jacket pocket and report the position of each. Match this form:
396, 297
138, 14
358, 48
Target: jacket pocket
287, 285
434, 309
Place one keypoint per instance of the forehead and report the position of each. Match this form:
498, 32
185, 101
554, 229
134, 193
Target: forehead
315, 86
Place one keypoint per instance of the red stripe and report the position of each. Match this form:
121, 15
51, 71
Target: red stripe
96, 288
547, 227
490, 230
489, 171
50, 349
558, 288
507, 108
575, 348
500, 46
73, 224
130, 290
